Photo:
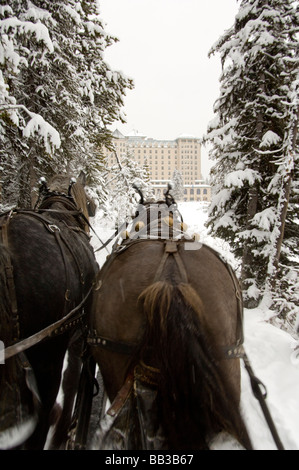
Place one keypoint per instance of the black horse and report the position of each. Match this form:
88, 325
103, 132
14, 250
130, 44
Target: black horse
47, 267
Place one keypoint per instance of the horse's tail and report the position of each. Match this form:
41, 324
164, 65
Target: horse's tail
196, 399
17, 403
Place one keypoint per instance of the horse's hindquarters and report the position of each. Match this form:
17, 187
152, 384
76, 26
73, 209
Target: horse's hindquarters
181, 306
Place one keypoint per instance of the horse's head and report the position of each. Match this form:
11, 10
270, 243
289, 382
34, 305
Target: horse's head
85, 203
69, 193
160, 219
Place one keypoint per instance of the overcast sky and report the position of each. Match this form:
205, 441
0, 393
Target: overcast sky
163, 46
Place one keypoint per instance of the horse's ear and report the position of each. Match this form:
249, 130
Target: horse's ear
82, 178
140, 194
73, 181
169, 199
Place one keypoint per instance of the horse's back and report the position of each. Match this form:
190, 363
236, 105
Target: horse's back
117, 312
127, 274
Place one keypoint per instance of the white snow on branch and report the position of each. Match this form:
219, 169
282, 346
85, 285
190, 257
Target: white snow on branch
38, 29
94, 28
238, 177
269, 138
220, 199
265, 219
72, 13
259, 235
37, 14
265, 39
38, 125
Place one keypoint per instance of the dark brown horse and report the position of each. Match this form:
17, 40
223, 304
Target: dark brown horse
47, 267
166, 330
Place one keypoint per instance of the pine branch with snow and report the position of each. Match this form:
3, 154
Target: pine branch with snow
59, 93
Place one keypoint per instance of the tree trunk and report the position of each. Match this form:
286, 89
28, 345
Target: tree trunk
248, 267
286, 190
247, 259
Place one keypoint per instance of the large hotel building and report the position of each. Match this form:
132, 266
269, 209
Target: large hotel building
162, 158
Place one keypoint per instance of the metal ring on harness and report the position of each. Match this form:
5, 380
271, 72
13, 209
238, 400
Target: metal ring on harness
53, 228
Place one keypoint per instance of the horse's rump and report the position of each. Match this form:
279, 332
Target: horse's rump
181, 327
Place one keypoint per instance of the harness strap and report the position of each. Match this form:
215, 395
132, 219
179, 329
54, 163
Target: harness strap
256, 385
55, 328
10, 278
56, 232
69, 247
78, 430
115, 346
238, 293
171, 248
122, 395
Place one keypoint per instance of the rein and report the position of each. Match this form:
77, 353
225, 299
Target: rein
56, 328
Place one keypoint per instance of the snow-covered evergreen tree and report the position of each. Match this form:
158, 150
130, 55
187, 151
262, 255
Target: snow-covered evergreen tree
177, 186
122, 178
57, 92
253, 138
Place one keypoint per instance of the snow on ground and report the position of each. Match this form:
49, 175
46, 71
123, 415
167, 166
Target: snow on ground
269, 349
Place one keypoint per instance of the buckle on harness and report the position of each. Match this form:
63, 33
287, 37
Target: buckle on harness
53, 228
